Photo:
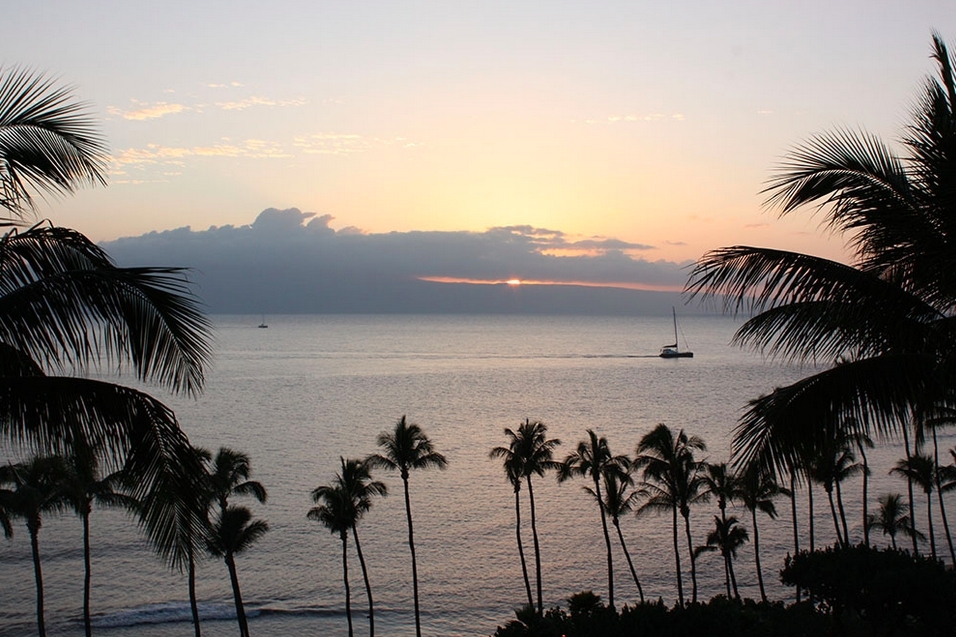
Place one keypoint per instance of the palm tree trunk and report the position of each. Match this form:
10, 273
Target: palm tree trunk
537, 549
846, 532
607, 543
810, 511
627, 556
866, 474
524, 563
836, 520
37, 575
193, 604
763, 592
733, 577
345, 579
693, 560
929, 524
411, 548
368, 585
793, 512
237, 596
87, 573
942, 505
680, 579
723, 554
909, 491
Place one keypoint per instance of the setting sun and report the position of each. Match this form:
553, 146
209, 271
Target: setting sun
513, 281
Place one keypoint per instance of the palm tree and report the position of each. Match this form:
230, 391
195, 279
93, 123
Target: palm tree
756, 490
406, 448
83, 486
229, 476
233, 532
66, 307
532, 453
617, 502
721, 482
48, 143
830, 466
921, 470
514, 472
727, 537
593, 459
357, 487
335, 511
38, 488
672, 480
892, 518
887, 314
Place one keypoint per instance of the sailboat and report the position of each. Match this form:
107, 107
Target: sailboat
673, 351
263, 324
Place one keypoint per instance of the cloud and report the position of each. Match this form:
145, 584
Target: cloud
256, 100
296, 260
174, 155
648, 117
145, 111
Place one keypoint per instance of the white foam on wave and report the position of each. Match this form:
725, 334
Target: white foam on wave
166, 613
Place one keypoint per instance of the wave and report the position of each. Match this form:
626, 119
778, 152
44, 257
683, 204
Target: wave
176, 612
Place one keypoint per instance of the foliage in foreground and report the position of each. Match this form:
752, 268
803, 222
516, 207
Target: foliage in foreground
857, 591
588, 617
877, 592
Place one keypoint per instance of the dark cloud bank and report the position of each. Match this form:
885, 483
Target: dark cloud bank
290, 262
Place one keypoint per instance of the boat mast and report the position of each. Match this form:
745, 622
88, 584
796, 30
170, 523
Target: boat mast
676, 342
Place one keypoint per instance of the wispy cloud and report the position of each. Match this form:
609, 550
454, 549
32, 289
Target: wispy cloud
346, 143
145, 111
174, 155
648, 117
225, 85
256, 100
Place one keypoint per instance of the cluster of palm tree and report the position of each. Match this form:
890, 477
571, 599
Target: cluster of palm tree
342, 504
43, 485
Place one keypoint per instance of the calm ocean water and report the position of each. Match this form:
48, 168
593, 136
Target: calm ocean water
308, 389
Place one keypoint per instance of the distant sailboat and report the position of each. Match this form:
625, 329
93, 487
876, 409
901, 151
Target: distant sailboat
673, 351
263, 323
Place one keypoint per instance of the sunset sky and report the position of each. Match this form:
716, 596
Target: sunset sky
652, 123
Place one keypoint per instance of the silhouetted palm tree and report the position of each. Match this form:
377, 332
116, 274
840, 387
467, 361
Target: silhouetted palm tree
719, 480
83, 486
406, 448
337, 513
593, 459
233, 532
229, 476
921, 470
532, 453
831, 465
617, 502
887, 315
38, 488
356, 483
756, 490
514, 472
892, 518
727, 537
672, 480
947, 416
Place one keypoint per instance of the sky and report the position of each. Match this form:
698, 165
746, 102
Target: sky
636, 130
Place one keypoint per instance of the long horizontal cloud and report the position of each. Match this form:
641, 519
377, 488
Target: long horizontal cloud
288, 254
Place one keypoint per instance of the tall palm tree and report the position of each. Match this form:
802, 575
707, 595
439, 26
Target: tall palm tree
721, 482
233, 532
515, 474
229, 476
65, 307
38, 488
672, 480
335, 510
946, 417
892, 518
887, 314
405, 448
593, 459
832, 464
727, 537
921, 470
355, 482
617, 501
756, 490
84, 486
532, 453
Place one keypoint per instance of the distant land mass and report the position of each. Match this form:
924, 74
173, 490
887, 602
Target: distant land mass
290, 262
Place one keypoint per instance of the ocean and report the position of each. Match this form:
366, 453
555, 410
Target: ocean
309, 389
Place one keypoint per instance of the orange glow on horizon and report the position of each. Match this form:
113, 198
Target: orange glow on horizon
628, 285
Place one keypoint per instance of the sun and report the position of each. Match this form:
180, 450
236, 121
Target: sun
513, 281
